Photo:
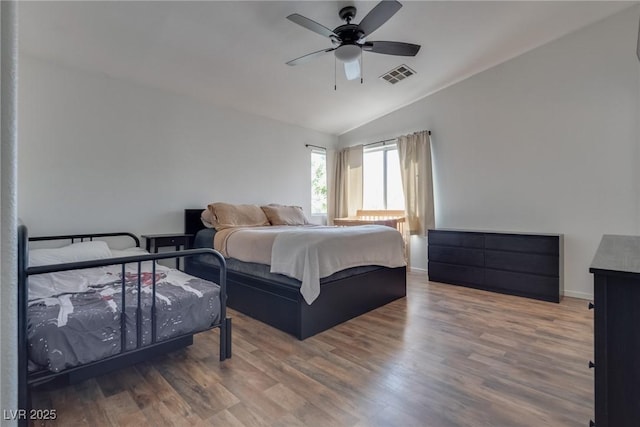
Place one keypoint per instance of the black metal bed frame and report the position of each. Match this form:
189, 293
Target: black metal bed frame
125, 357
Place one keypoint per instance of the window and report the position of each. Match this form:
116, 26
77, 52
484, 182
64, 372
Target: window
318, 182
382, 183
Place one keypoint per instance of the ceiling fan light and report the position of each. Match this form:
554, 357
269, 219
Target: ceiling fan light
348, 52
352, 70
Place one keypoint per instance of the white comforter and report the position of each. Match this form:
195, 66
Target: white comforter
311, 253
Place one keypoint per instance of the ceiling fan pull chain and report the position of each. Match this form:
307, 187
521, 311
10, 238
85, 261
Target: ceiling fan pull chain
361, 67
335, 65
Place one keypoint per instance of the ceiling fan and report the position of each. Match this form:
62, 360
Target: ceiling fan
349, 39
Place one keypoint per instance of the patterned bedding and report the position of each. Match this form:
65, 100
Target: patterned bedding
82, 324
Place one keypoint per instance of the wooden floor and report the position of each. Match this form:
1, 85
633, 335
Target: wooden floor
443, 356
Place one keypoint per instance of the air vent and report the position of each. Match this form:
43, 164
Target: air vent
397, 74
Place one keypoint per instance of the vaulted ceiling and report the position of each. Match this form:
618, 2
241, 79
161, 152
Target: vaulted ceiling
234, 53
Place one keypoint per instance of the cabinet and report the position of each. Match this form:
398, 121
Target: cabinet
524, 264
616, 272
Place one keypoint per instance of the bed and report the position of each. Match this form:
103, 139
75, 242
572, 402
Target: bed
84, 309
277, 300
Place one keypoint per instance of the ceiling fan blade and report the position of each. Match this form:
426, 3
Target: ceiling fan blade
392, 48
352, 69
312, 25
378, 16
309, 56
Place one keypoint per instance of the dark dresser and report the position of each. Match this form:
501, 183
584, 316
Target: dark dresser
524, 264
616, 294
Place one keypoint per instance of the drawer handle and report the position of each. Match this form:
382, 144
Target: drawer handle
592, 423
591, 306
591, 364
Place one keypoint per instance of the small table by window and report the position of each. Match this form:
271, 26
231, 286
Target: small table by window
175, 240
348, 221
393, 219
390, 218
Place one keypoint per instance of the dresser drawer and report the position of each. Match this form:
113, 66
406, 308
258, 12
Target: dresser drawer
523, 243
529, 285
451, 255
456, 274
451, 238
170, 241
545, 265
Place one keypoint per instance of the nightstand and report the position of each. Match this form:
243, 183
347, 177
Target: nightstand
163, 240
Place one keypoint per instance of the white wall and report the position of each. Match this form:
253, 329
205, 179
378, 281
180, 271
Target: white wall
8, 209
98, 153
546, 142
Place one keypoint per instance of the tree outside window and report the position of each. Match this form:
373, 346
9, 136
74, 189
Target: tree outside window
318, 182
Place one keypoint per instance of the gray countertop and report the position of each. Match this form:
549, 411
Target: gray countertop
617, 253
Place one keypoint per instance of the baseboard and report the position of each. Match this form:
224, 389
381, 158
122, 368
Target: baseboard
576, 294
417, 270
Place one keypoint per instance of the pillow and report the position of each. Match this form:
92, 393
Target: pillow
226, 215
83, 251
117, 253
285, 215
207, 218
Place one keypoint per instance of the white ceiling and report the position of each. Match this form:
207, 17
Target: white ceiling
234, 53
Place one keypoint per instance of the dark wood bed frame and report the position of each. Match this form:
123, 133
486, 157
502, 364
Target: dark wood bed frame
126, 357
282, 306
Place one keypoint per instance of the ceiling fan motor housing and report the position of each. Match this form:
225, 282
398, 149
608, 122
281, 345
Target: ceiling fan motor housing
349, 33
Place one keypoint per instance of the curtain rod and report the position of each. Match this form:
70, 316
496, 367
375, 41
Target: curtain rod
384, 141
315, 146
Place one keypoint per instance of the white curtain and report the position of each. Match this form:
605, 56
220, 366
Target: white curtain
414, 152
347, 191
